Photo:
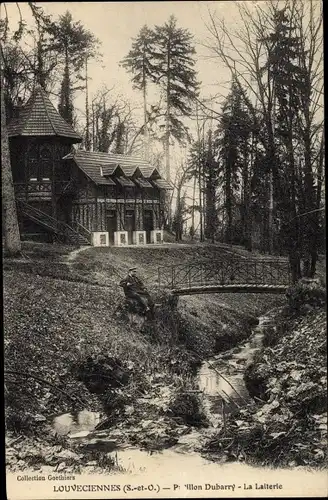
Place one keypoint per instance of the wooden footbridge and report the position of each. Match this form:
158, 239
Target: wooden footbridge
234, 275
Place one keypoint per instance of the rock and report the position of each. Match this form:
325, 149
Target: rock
146, 423
182, 429
68, 455
129, 410
80, 434
39, 418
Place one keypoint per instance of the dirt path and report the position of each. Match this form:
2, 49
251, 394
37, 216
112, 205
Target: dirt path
70, 258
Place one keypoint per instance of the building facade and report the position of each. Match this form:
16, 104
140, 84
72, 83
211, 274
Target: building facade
82, 197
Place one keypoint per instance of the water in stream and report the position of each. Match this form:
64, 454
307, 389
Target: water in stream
221, 378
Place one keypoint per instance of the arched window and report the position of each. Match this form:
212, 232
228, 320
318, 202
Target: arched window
45, 163
39, 163
33, 163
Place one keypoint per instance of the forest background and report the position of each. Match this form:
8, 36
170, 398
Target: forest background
225, 98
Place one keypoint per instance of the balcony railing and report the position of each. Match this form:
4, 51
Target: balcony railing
42, 188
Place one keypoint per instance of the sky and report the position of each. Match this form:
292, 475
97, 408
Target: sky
116, 23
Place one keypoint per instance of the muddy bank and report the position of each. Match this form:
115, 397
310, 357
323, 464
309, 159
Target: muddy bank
162, 416
180, 421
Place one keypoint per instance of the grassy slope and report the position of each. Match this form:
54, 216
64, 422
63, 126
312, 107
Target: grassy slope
215, 321
51, 325
50, 322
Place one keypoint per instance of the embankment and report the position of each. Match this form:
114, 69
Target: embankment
286, 424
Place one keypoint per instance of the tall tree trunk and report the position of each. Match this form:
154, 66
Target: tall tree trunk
146, 131
10, 222
210, 211
178, 215
272, 162
272, 156
93, 127
270, 214
87, 116
320, 173
310, 226
65, 107
295, 243
228, 200
167, 117
193, 209
248, 216
97, 127
40, 73
246, 201
167, 138
201, 225
120, 146
200, 173
317, 225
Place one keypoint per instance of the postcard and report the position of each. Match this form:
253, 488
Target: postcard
164, 249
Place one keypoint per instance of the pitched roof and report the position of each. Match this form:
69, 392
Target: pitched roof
125, 182
142, 183
40, 118
91, 161
162, 184
130, 163
118, 169
109, 169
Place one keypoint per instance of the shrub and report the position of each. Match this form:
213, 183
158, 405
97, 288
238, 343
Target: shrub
269, 337
256, 378
187, 407
307, 294
100, 373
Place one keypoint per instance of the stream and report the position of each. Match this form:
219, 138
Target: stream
224, 395
221, 396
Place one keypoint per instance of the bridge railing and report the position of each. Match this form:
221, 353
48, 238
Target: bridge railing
225, 272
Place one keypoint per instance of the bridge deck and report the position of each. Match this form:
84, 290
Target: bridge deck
194, 290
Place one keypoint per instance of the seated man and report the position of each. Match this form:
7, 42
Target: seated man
135, 289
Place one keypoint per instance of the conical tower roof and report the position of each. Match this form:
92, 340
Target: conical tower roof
40, 118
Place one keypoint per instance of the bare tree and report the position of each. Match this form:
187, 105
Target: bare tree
308, 26
182, 175
244, 51
10, 222
247, 52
